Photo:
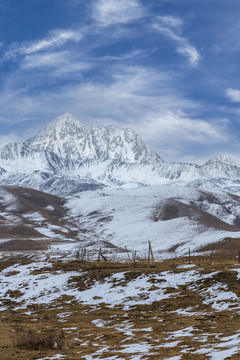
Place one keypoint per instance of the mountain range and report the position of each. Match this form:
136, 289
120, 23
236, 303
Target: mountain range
69, 186
65, 158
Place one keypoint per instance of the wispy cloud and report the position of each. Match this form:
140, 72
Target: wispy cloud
171, 27
55, 38
126, 56
233, 95
56, 64
137, 97
174, 126
125, 86
111, 12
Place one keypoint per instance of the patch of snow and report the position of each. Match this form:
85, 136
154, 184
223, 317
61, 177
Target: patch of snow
99, 322
34, 216
170, 344
142, 348
216, 353
8, 200
181, 333
218, 296
186, 266
50, 208
53, 357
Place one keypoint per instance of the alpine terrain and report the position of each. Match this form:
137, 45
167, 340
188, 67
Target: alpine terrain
69, 194
103, 187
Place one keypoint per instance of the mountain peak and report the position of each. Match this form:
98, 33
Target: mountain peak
64, 125
66, 118
58, 135
66, 138
223, 158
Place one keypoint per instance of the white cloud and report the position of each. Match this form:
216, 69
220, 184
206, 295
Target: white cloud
175, 128
129, 55
172, 22
43, 59
233, 94
136, 97
110, 12
55, 38
57, 64
190, 52
171, 27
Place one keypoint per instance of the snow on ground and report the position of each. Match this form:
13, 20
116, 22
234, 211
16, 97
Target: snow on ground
49, 208
124, 217
54, 357
40, 288
34, 216
8, 200
217, 353
37, 285
114, 291
48, 230
217, 295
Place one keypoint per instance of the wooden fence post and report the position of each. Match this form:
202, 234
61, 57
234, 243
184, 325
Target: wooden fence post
78, 254
99, 254
150, 252
128, 253
211, 255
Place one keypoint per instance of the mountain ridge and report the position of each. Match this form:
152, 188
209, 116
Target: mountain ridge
103, 155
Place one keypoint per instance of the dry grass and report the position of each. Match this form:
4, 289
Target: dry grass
173, 209
35, 331
35, 340
23, 245
51, 208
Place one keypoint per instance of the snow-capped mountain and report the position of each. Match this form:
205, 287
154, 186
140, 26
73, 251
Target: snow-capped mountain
67, 139
121, 207
223, 158
65, 157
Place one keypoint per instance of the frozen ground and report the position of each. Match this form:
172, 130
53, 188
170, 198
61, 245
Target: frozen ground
119, 311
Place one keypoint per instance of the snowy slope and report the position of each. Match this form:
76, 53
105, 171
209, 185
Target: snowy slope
29, 214
114, 218
132, 217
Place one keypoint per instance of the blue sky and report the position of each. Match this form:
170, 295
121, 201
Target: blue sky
168, 69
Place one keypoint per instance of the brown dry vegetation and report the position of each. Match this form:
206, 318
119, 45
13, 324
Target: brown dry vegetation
24, 332
28, 201
23, 245
175, 209
227, 245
